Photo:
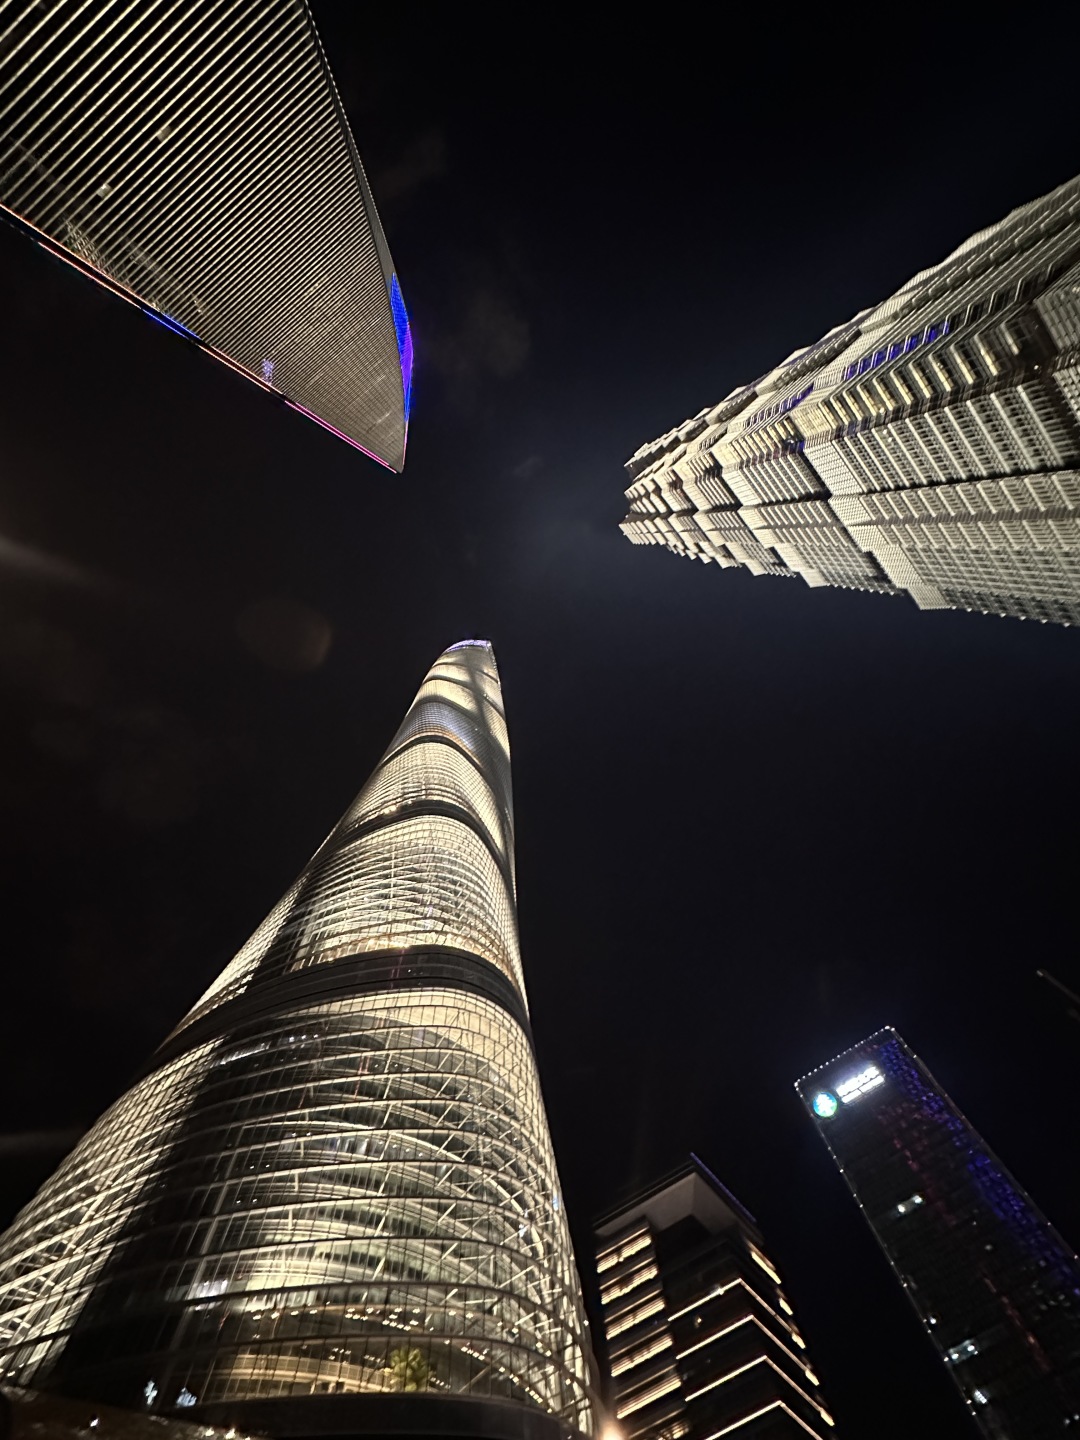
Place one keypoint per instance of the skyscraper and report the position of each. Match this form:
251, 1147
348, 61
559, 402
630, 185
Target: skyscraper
700, 1336
996, 1287
331, 1204
929, 447
197, 161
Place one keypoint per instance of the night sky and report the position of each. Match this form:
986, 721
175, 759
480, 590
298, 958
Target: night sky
755, 821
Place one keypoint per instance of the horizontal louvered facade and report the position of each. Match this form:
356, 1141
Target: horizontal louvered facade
930, 447
335, 1184
196, 159
701, 1340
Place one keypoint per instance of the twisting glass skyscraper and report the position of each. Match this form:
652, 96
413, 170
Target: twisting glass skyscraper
332, 1202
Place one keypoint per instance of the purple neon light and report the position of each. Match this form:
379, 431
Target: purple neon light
91, 272
403, 332
1004, 1198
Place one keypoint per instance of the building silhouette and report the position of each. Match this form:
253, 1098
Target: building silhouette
997, 1289
930, 447
700, 1336
30, 1415
331, 1204
198, 162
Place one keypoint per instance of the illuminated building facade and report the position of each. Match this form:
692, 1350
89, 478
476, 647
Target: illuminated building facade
31, 1415
930, 447
701, 1339
196, 160
995, 1286
331, 1205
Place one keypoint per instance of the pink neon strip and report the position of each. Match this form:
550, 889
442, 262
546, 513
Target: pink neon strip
219, 355
91, 272
339, 433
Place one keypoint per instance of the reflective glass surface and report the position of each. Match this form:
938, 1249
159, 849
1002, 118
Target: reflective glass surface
996, 1287
337, 1178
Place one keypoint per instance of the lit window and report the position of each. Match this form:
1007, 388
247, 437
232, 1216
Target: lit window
664, 1386
756, 1255
638, 1357
963, 1351
628, 1283
634, 1317
609, 1258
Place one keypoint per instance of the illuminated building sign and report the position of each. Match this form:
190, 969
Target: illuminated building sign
856, 1086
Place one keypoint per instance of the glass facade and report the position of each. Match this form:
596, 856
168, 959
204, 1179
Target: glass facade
196, 160
336, 1178
996, 1287
701, 1339
31, 1415
930, 447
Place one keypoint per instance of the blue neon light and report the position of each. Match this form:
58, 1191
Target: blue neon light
404, 339
176, 326
996, 1189
900, 347
781, 407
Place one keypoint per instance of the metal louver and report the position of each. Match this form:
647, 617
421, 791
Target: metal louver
195, 158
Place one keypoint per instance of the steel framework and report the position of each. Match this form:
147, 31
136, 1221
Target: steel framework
336, 1178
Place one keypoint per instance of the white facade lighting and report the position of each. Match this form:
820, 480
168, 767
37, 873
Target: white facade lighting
374, 1033
850, 462
860, 1084
963, 1351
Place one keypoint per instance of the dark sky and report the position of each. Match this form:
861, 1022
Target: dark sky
756, 821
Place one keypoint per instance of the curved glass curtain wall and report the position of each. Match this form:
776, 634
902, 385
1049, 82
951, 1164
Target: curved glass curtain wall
338, 1177
199, 156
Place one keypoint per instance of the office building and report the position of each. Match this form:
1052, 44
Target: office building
30, 1415
701, 1339
995, 1286
930, 447
196, 160
331, 1205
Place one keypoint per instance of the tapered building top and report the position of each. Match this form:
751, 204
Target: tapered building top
197, 160
331, 1205
422, 862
